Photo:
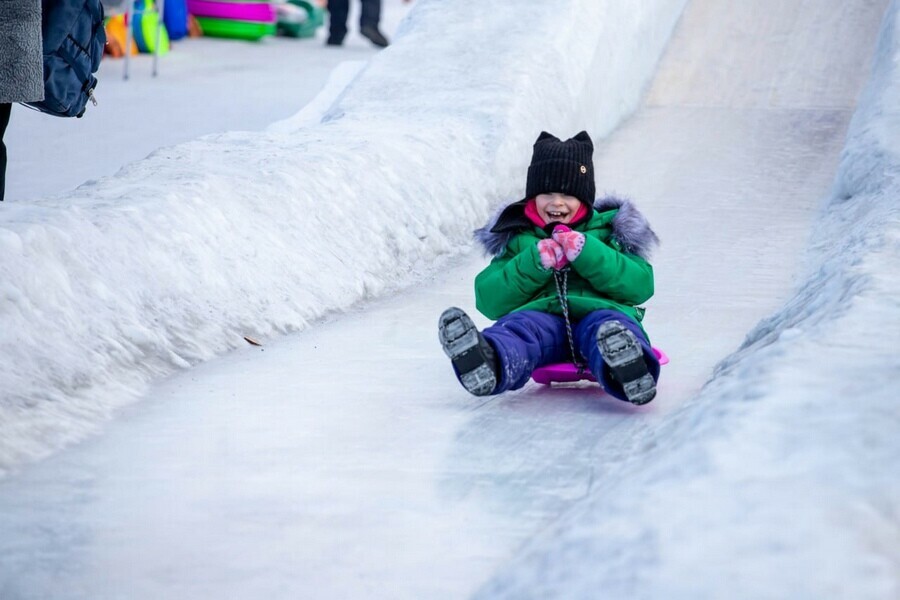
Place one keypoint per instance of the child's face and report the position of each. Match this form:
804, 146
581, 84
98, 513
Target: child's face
556, 208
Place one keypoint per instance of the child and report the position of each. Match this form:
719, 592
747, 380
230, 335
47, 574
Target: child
565, 283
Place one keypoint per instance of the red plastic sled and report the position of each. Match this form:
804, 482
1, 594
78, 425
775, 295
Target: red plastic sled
568, 372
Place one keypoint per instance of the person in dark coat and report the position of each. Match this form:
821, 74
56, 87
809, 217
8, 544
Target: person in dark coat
368, 22
21, 63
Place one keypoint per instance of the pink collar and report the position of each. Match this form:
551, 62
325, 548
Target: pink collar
533, 216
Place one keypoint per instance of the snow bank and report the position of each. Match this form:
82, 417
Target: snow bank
177, 257
780, 479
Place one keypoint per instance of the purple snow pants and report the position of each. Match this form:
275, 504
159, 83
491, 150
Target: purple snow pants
529, 339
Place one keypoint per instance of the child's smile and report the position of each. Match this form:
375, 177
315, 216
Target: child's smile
556, 208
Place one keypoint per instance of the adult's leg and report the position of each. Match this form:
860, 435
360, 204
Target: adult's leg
371, 14
5, 110
523, 341
368, 23
586, 341
337, 20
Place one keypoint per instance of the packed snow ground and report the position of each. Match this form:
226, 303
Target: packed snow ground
753, 484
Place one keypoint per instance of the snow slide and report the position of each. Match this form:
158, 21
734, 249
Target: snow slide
779, 479
345, 462
177, 257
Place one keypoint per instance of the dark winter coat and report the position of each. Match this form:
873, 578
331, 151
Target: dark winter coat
611, 272
21, 51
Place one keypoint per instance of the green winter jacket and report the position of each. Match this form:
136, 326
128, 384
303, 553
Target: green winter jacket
603, 276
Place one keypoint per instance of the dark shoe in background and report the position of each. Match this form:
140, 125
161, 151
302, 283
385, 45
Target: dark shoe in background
376, 37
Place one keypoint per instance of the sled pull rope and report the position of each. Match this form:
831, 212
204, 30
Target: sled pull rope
561, 278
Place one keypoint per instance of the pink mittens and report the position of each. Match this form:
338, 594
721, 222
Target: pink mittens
562, 248
571, 241
552, 254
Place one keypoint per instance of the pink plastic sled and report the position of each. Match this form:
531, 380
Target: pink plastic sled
568, 372
256, 11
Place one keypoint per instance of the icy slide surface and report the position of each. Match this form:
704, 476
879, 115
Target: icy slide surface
345, 462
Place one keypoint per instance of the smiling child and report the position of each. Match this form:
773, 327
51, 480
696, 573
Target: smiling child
566, 281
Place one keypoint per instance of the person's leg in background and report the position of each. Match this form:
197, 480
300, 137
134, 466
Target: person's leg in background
5, 110
369, 19
337, 21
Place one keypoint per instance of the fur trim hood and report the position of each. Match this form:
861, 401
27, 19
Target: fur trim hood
630, 229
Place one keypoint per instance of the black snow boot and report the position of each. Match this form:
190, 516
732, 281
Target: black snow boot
374, 35
474, 360
624, 356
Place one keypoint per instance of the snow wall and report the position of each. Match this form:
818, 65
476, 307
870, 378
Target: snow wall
176, 258
780, 479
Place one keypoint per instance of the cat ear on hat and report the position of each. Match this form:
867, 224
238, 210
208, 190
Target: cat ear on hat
546, 136
584, 138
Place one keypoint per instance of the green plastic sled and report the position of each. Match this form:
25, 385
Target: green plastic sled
242, 30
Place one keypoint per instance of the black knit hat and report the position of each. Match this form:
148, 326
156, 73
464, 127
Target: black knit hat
562, 167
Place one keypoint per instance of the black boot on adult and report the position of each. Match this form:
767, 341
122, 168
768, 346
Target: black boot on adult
473, 358
624, 356
375, 36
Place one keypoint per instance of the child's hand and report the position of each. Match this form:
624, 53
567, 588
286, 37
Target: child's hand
552, 254
571, 241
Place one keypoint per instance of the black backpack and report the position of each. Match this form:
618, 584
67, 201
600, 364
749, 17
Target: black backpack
73, 45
